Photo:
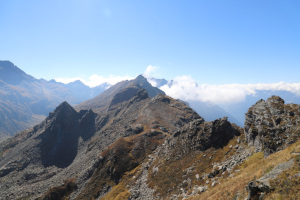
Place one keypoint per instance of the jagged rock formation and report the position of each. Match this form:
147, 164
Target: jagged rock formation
47, 149
59, 141
271, 125
239, 109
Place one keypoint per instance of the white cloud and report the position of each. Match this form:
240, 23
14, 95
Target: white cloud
152, 82
95, 80
290, 87
186, 88
149, 71
68, 80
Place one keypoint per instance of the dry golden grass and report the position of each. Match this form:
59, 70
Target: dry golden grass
253, 168
287, 184
120, 192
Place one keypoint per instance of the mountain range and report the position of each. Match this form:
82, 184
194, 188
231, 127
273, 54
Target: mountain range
134, 142
26, 101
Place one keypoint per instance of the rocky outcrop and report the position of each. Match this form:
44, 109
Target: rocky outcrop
200, 135
42, 156
64, 126
271, 125
152, 91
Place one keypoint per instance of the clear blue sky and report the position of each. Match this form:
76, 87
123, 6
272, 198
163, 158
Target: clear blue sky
214, 41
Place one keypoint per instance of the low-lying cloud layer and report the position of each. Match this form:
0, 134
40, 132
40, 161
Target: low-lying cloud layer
95, 80
186, 88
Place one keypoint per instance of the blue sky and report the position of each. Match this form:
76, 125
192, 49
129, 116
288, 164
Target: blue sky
212, 41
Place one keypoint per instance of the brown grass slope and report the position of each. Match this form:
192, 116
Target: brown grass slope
286, 186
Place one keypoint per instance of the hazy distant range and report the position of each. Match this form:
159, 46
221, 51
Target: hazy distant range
25, 100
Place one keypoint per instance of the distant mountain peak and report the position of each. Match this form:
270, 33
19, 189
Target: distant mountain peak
157, 82
140, 78
11, 74
77, 82
52, 81
116, 94
152, 91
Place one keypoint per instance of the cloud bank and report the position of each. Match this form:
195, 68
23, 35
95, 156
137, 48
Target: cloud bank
95, 79
186, 88
149, 72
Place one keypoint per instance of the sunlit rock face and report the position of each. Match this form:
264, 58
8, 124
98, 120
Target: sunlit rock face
271, 125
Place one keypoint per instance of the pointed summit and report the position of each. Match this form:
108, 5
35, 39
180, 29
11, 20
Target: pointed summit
143, 82
63, 111
102, 101
64, 106
140, 78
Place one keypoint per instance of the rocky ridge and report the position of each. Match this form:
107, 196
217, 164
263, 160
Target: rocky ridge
101, 102
133, 145
69, 142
